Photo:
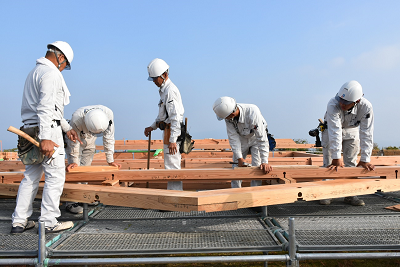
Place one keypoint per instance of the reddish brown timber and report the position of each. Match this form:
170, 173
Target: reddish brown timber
217, 200
94, 169
214, 144
297, 172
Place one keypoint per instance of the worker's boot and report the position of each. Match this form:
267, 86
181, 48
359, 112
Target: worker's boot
74, 208
355, 201
19, 228
325, 201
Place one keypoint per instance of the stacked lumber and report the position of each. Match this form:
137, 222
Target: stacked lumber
8, 155
203, 144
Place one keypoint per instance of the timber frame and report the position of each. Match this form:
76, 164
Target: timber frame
292, 183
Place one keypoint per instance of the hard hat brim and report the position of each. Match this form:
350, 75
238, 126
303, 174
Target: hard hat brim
219, 118
150, 79
343, 101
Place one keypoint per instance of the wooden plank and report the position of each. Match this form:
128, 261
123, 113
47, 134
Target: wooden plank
110, 183
11, 166
395, 207
94, 169
208, 143
216, 200
308, 172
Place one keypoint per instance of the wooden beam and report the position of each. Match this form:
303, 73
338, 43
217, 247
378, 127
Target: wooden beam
110, 183
297, 172
216, 200
81, 169
215, 144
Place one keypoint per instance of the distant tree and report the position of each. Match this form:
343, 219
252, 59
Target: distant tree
391, 148
376, 147
300, 141
11, 150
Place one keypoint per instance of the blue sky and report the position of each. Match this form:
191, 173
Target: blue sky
287, 57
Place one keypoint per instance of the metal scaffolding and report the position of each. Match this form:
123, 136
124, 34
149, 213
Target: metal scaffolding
139, 236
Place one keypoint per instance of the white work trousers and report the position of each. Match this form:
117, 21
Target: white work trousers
87, 150
350, 147
52, 190
86, 153
173, 162
248, 145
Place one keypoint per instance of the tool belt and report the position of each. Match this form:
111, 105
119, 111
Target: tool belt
185, 139
28, 153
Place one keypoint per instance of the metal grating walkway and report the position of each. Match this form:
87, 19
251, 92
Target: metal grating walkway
115, 230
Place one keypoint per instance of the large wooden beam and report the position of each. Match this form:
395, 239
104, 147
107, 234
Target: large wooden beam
295, 172
217, 200
195, 163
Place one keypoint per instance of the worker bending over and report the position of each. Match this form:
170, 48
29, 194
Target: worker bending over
350, 125
247, 133
169, 118
90, 122
42, 111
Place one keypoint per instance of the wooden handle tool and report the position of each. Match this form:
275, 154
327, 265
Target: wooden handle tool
22, 134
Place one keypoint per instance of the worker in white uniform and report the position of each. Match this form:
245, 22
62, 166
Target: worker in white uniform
44, 97
169, 118
247, 133
90, 122
350, 125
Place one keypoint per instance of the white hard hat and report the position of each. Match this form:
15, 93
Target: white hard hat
224, 106
66, 49
350, 92
96, 120
156, 68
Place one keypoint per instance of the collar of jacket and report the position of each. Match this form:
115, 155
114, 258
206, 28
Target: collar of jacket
241, 114
45, 61
166, 83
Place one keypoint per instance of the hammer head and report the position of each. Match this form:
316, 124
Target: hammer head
54, 155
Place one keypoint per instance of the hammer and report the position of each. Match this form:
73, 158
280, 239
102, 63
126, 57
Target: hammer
33, 141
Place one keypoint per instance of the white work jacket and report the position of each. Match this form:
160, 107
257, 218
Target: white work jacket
170, 109
345, 125
78, 124
45, 94
252, 126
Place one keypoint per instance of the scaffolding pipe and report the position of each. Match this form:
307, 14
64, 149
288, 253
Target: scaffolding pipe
342, 256
277, 232
292, 244
41, 244
264, 211
9, 262
85, 212
166, 260
211, 259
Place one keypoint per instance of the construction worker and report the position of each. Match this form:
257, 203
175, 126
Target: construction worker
247, 133
350, 125
89, 122
44, 97
170, 116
